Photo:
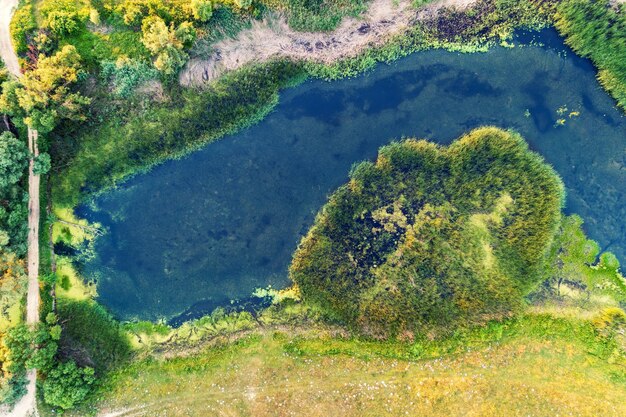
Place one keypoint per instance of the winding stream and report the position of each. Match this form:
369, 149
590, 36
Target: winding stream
196, 233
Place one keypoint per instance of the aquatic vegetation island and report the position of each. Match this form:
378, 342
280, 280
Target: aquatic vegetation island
312, 208
432, 238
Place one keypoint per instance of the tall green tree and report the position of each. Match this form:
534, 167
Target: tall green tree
14, 157
13, 160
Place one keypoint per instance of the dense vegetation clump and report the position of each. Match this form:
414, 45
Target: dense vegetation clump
429, 238
597, 30
13, 162
43, 96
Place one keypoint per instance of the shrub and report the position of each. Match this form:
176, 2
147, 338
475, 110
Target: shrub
91, 337
611, 318
127, 74
430, 238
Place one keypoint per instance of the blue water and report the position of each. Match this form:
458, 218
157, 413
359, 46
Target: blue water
196, 233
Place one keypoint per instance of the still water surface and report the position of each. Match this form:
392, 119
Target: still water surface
198, 232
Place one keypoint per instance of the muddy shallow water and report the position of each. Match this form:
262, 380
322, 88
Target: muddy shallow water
198, 232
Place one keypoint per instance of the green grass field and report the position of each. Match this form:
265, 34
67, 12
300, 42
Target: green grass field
535, 366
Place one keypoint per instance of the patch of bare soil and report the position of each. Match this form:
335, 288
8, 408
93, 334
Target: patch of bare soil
273, 38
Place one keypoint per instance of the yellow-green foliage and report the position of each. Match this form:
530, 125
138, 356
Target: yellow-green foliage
22, 26
13, 283
132, 12
70, 229
12, 290
62, 17
431, 237
166, 43
609, 319
147, 335
74, 232
278, 296
43, 96
202, 9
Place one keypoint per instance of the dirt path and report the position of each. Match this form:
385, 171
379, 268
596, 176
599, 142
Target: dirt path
272, 38
27, 406
6, 47
32, 302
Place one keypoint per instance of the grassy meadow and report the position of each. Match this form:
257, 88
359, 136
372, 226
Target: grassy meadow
535, 366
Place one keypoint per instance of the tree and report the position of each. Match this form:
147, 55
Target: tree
202, 10
17, 349
66, 384
44, 95
243, 4
23, 25
62, 17
167, 43
41, 164
133, 11
13, 160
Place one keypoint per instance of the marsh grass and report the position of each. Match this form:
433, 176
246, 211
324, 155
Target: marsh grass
597, 30
322, 15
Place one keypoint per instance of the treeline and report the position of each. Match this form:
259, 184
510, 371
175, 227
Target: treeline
430, 239
39, 100
107, 30
14, 157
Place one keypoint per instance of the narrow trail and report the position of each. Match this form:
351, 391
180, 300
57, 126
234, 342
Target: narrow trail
273, 38
32, 302
27, 406
6, 47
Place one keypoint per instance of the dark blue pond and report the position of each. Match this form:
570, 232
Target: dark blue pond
198, 232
